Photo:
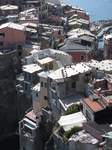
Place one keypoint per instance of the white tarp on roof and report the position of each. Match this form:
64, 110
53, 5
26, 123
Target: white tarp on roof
69, 121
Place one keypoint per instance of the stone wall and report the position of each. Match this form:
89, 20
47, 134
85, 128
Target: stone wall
59, 144
55, 112
7, 58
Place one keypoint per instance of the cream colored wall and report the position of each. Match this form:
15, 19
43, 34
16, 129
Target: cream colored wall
36, 101
43, 92
37, 106
80, 84
55, 66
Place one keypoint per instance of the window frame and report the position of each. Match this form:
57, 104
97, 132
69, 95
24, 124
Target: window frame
45, 98
73, 85
81, 57
1, 43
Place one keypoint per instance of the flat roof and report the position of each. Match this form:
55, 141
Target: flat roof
84, 137
94, 105
70, 46
87, 38
69, 71
45, 60
109, 36
104, 65
36, 87
71, 99
29, 24
31, 68
8, 7
12, 25
79, 32
97, 127
44, 74
31, 2
29, 121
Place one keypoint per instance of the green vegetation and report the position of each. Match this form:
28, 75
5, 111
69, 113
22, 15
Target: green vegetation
65, 139
55, 147
61, 131
73, 130
67, 134
72, 109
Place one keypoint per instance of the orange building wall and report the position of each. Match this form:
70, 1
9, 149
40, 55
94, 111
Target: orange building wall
77, 56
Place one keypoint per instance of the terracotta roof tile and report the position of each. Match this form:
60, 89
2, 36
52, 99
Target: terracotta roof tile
31, 115
95, 106
55, 18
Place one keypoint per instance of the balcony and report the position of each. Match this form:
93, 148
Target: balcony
53, 87
27, 128
19, 88
20, 77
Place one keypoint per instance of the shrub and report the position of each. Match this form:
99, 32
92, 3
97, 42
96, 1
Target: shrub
61, 131
65, 140
72, 109
73, 130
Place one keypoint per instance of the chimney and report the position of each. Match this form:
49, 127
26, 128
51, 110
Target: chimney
98, 91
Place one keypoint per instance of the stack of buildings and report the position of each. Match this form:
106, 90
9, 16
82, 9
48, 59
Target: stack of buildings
52, 43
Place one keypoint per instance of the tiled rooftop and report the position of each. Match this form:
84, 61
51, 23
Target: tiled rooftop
45, 60
31, 68
31, 115
55, 18
105, 65
69, 71
95, 106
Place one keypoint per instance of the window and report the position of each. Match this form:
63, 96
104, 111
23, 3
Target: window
41, 83
73, 84
1, 43
11, 12
26, 86
82, 57
45, 84
29, 76
19, 46
45, 97
53, 95
36, 94
2, 34
88, 114
39, 16
3, 12
59, 32
25, 75
13, 2
106, 46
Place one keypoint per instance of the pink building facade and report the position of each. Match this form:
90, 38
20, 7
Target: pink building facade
11, 37
8, 10
11, 2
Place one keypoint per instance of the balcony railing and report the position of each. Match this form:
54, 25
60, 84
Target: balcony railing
26, 134
19, 88
20, 77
